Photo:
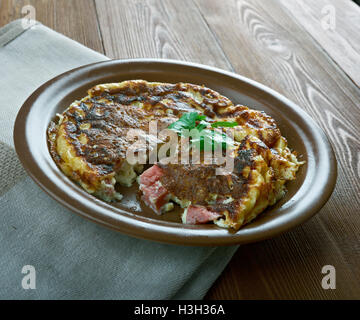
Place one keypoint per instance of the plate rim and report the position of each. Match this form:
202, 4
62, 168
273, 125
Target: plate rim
159, 230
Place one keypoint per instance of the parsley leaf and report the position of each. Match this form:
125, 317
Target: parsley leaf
187, 121
209, 139
224, 124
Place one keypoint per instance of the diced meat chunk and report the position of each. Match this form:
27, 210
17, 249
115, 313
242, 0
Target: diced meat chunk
198, 215
151, 175
154, 194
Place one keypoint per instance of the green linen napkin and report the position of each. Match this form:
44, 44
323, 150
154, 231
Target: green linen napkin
75, 258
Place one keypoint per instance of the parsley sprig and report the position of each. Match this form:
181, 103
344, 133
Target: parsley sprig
209, 138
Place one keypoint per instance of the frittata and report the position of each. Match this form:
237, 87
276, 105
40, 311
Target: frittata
89, 141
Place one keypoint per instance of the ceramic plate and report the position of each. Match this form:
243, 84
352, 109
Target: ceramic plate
306, 195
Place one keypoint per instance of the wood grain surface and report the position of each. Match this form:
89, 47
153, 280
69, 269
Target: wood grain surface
342, 43
280, 43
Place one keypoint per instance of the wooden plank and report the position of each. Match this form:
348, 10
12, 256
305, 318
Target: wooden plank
287, 267
262, 42
75, 19
342, 42
158, 29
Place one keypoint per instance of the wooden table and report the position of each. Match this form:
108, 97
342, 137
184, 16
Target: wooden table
289, 45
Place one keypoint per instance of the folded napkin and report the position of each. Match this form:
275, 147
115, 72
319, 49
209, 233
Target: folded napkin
75, 258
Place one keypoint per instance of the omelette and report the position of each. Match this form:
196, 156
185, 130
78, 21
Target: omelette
90, 139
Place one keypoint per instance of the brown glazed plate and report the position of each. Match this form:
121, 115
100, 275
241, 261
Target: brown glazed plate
306, 195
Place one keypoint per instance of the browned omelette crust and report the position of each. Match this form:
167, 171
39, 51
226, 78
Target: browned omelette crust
195, 182
95, 128
111, 113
